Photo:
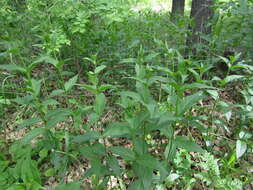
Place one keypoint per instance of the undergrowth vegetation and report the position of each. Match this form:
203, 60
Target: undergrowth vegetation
99, 94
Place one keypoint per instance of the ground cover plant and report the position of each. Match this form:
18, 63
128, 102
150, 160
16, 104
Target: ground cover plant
124, 94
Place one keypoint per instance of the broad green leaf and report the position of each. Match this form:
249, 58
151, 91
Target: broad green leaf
104, 87
232, 78
70, 83
152, 108
227, 61
56, 112
140, 71
114, 165
17, 187
117, 129
137, 120
197, 85
33, 134
125, 153
132, 95
145, 94
128, 60
185, 143
93, 117
69, 186
50, 102
241, 148
140, 146
49, 172
147, 161
92, 135
167, 118
56, 93
145, 174
23, 100
91, 88
96, 150
13, 68
213, 93
47, 59
137, 184
29, 122
99, 104
99, 69
170, 150
188, 102
36, 84
167, 130
5, 101
55, 116
151, 56
97, 169
29, 172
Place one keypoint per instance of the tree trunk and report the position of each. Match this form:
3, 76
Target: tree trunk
201, 12
178, 8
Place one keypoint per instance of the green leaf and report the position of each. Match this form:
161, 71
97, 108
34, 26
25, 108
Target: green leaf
50, 102
152, 108
232, 77
140, 146
29, 172
132, 95
137, 184
49, 172
125, 153
185, 143
147, 161
227, 61
92, 135
13, 68
91, 88
23, 100
70, 83
117, 129
47, 59
99, 69
29, 122
17, 187
129, 60
94, 151
33, 134
36, 84
99, 104
145, 174
69, 186
56, 93
97, 169
197, 85
55, 116
213, 93
114, 165
93, 117
188, 102
5, 101
241, 148
104, 87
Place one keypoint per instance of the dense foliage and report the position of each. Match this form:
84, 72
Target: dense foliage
99, 94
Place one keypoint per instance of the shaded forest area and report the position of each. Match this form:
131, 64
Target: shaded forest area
126, 94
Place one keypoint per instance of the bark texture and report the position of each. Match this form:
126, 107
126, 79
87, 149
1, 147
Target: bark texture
178, 8
201, 12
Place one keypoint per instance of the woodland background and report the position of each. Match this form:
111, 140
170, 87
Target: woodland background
126, 94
